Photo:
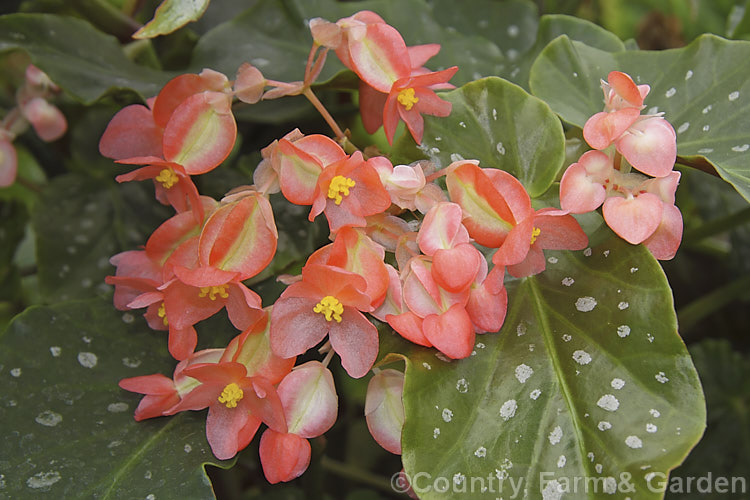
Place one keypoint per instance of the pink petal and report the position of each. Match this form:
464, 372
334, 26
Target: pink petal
49, 123
309, 398
371, 107
283, 456
487, 308
665, 241
650, 146
409, 326
8, 163
380, 57
534, 263
295, 327
200, 133
355, 340
455, 269
633, 219
581, 188
384, 409
223, 428
131, 132
442, 228
604, 128
451, 332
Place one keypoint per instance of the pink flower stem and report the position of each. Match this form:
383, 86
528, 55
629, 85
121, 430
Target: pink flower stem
324, 113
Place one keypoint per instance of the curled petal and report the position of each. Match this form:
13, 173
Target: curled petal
384, 409
283, 456
665, 241
604, 128
249, 85
309, 398
650, 146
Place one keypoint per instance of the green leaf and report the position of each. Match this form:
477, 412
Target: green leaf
499, 124
588, 378
68, 429
702, 89
172, 15
83, 61
725, 374
80, 223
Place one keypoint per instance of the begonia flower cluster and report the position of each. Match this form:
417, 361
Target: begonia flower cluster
639, 208
33, 108
408, 242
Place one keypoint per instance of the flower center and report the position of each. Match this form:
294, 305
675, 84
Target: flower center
330, 307
167, 177
213, 291
339, 185
534, 234
407, 99
162, 312
231, 395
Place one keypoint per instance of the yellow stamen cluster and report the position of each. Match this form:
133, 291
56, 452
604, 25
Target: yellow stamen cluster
534, 234
339, 185
231, 395
330, 307
213, 291
407, 98
162, 312
167, 177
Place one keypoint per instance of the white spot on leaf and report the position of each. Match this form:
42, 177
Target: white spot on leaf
447, 415
582, 357
734, 96
480, 452
462, 386
669, 93
617, 383
608, 402
535, 394
43, 479
567, 281
523, 372
634, 442
117, 407
604, 425
585, 304
48, 418
556, 435
87, 359
508, 409
623, 331
661, 378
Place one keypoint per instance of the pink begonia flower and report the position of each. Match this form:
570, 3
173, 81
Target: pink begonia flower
347, 191
496, 207
384, 409
328, 301
410, 98
434, 316
647, 142
386, 229
637, 208
553, 230
368, 46
299, 162
408, 186
455, 261
236, 403
162, 393
193, 117
310, 404
354, 251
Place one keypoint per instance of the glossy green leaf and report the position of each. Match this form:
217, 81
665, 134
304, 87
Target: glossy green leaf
80, 223
83, 61
518, 32
499, 124
588, 378
68, 429
172, 15
703, 90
